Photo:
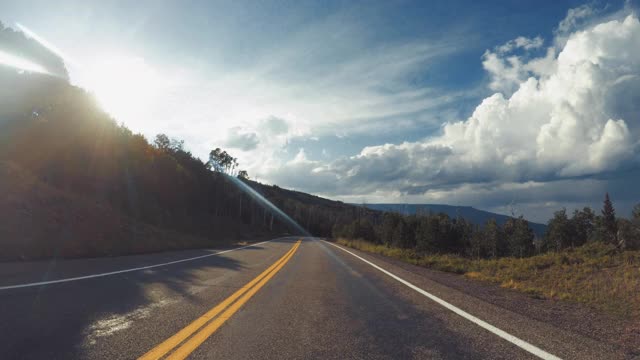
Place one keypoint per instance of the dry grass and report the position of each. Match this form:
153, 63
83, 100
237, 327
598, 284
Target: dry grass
594, 274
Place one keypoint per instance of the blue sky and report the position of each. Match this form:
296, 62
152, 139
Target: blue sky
359, 100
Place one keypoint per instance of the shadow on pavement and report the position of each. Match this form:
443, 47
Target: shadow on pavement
54, 321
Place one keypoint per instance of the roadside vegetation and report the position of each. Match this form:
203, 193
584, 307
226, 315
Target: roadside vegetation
596, 274
587, 258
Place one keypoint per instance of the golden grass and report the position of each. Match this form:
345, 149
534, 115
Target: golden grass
594, 274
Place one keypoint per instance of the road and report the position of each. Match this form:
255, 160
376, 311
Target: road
287, 298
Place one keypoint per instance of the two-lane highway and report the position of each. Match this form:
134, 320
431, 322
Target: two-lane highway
286, 298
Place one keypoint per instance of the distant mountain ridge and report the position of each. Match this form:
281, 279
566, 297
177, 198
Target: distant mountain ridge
472, 214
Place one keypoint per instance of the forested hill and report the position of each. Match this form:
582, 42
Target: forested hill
73, 182
473, 215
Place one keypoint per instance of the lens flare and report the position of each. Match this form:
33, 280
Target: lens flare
42, 41
19, 63
261, 199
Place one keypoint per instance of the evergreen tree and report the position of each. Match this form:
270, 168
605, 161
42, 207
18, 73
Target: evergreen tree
609, 224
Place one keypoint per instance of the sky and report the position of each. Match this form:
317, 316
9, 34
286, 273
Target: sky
519, 107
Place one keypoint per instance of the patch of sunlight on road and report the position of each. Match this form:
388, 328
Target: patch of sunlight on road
112, 324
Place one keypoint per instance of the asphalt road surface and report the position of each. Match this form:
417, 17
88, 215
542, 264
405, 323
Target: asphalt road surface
287, 298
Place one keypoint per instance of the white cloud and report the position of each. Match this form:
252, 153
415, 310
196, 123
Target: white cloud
554, 125
521, 42
274, 125
574, 17
565, 120
507, 70
238, 139
259, 109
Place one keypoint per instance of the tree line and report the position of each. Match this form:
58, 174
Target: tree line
58, 133
438, 233
71, 144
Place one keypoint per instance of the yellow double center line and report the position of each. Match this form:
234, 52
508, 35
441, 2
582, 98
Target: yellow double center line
230, 306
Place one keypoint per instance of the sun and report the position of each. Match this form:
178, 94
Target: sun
124, 86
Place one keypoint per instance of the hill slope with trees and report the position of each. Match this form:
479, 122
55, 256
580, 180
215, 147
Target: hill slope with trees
76, 183
473, 215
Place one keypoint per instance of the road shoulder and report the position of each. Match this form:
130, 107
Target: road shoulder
565, 329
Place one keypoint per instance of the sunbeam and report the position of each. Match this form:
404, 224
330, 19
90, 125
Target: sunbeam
19, 63
256, 196
42, 41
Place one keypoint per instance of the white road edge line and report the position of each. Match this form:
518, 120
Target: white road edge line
510, 338
125, 270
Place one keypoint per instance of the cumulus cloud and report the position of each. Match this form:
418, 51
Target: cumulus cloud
557, 125
574, 17
508, 70
274, 125
244, 141
569, 117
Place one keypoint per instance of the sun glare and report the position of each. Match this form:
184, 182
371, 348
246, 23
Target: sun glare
125, 87
20, 63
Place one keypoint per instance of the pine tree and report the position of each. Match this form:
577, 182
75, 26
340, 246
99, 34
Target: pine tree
609, 220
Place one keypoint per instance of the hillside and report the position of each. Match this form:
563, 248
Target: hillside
152, 197
77, 183
316, 214
40, 221
473, 215
73, 182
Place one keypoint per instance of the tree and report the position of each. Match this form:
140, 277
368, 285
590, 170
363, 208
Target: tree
427, 233
362, 229
221, 161
166, 144
559, 231
162, 142
243, 174
388, 226
462, 234
628, 234
609, 223
583, 223
494, 239
476, 248
519, 237
176, 145
403, 234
